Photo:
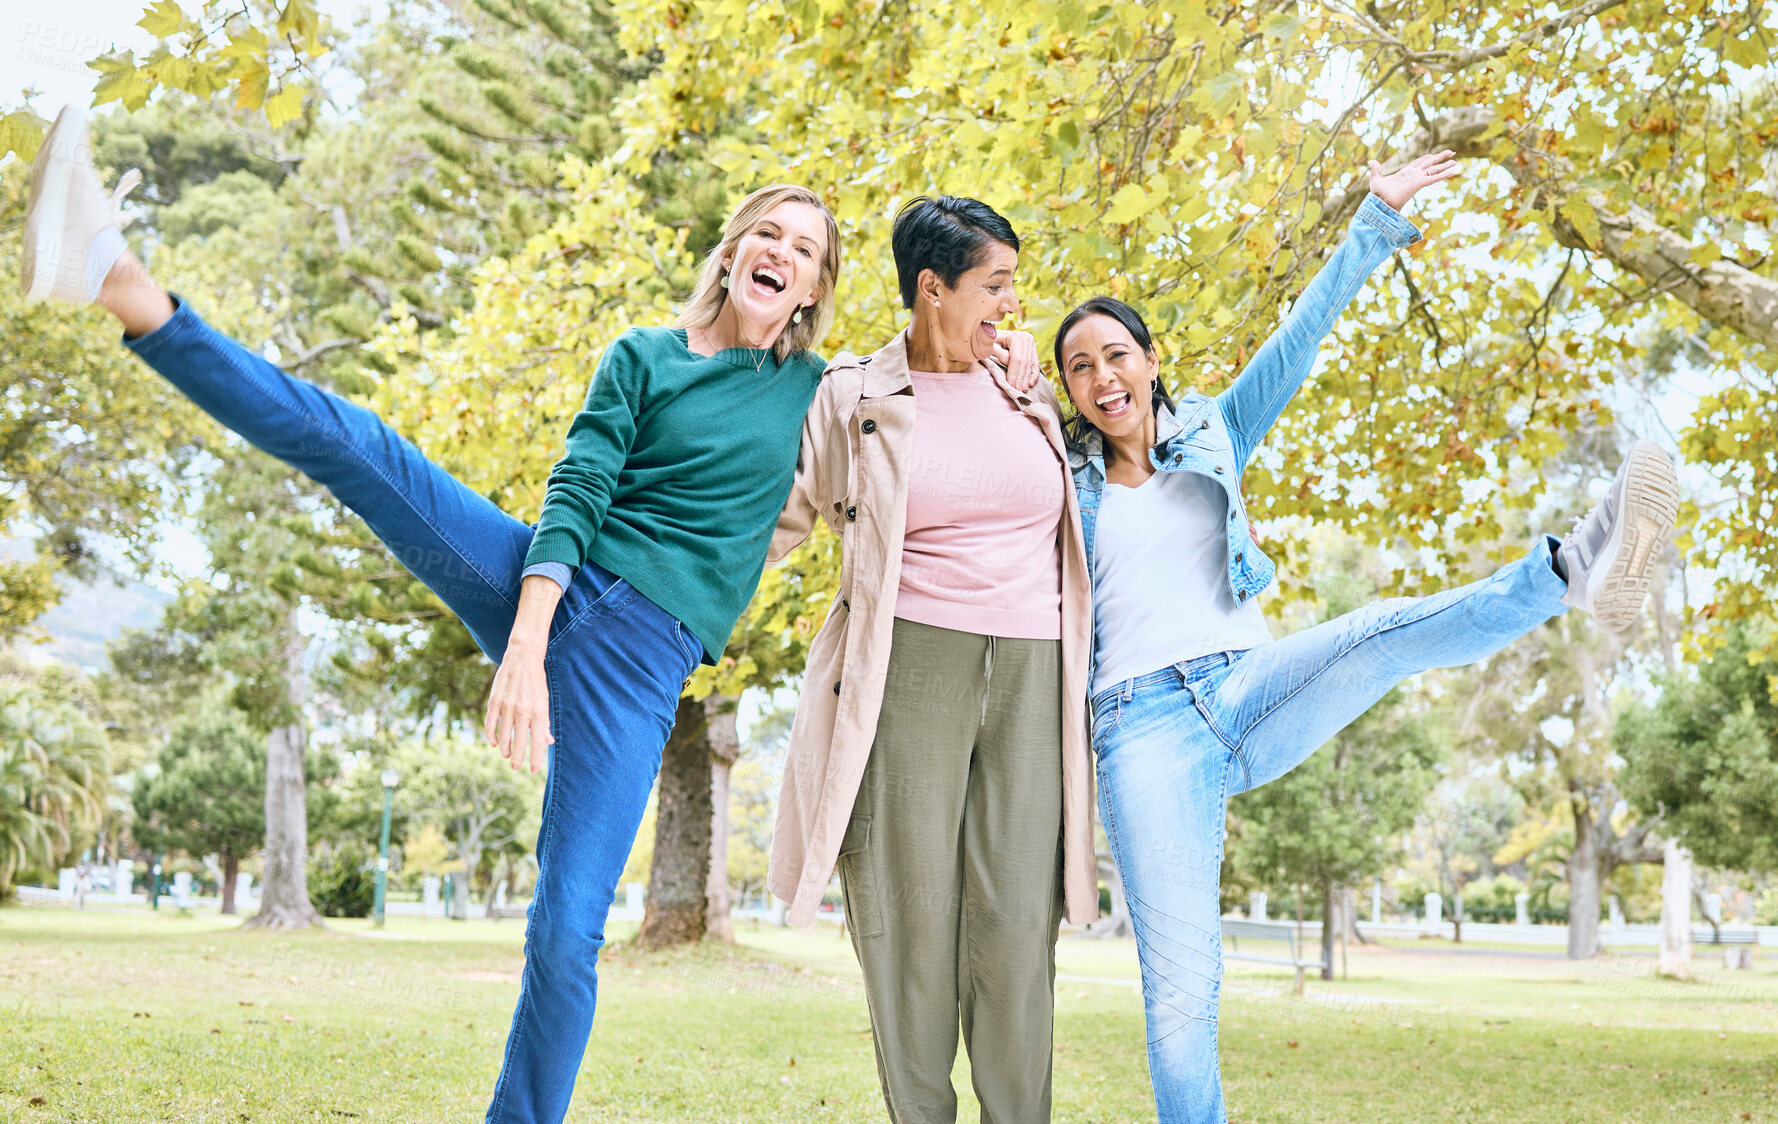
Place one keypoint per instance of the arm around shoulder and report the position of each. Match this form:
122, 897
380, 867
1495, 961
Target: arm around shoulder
811, 490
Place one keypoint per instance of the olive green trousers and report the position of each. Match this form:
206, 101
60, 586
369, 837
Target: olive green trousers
952, 874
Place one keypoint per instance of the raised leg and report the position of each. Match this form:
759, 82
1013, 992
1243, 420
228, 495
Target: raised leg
1283, 700
464, 548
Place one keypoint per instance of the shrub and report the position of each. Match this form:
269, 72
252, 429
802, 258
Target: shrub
343, 884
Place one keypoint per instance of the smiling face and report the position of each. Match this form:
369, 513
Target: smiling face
965, 316
775, 267
1109, 377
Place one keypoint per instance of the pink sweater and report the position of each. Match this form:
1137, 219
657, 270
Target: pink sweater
986, 494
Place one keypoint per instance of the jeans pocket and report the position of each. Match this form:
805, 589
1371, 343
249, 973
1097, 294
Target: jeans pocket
1108, 710
689, 644
858, 880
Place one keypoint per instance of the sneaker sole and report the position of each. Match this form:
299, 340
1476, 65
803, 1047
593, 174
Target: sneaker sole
45, 216
1649, 509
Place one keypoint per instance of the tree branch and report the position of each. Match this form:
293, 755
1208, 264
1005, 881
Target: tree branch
1446, 62
1721, 291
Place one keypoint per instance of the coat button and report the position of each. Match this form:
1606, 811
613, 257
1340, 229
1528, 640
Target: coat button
1240, 556
1219, 470
845, 604
1204, 425
836, 686
852, 514
869, 426
1231, 517
1238, 597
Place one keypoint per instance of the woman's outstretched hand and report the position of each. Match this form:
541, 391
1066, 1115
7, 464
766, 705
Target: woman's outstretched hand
1017, 352
1399, 186
517, 721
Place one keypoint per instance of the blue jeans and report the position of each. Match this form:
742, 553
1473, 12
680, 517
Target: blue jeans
615, 665
1174, 744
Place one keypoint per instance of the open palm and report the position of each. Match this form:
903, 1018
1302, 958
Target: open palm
1397, 187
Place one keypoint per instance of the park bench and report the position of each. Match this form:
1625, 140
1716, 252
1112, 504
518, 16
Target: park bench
1234, 932
1737, 944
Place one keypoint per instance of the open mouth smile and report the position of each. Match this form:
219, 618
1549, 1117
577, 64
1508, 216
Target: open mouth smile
769, 279
1113, 403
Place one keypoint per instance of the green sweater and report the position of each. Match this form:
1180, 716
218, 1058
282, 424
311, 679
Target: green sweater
675, 473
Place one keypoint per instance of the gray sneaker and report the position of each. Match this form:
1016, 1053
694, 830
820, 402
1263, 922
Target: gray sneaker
66, 210
1612, 549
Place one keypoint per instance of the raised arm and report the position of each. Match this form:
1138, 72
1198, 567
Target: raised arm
1278, 368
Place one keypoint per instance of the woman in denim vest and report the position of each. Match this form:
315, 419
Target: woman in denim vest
1192, 699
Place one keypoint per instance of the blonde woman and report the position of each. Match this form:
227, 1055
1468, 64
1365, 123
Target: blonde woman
653, 534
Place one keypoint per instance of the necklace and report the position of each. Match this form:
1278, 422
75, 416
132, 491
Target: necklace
710, 343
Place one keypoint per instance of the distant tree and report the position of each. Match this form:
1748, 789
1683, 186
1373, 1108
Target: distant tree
481, 803
1337, 818
54, 774
207, 794
1463, 828
1703, 755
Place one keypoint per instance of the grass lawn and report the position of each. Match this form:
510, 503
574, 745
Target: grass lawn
131, 1016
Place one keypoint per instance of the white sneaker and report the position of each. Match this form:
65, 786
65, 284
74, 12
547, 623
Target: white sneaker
66, 211
1612, 550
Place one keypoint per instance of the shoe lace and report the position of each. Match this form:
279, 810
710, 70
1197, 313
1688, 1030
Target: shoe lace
126, 183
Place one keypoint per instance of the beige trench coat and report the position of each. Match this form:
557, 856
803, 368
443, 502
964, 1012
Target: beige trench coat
853, 472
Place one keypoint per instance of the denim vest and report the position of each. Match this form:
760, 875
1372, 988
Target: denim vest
1216, 437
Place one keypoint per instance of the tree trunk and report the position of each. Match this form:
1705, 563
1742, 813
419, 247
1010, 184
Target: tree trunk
284, 889
1328, 922
679, 883
230, 867
459, 897
1456, 912
725, 746
1583, 885
1676, 912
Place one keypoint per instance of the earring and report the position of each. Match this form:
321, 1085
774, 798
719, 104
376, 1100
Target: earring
724, 281
797, 316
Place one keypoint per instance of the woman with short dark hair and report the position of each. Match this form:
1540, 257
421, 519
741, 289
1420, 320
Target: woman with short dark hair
945, 768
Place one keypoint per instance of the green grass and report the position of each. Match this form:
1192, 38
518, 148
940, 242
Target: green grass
131, 1016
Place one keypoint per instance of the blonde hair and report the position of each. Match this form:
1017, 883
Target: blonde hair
707, 295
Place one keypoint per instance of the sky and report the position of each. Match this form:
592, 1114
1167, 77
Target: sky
46, 46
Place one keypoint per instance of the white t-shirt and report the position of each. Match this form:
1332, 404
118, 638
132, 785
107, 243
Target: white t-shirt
1160, 579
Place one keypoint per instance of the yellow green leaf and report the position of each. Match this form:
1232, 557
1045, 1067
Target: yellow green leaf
252, 77
1129, 204
121, 80
1705, 252
21, 131
1586, 222
285, 105
162, 20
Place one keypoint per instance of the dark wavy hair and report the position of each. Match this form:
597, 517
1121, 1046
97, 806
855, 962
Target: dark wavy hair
948, 234
1076, 428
